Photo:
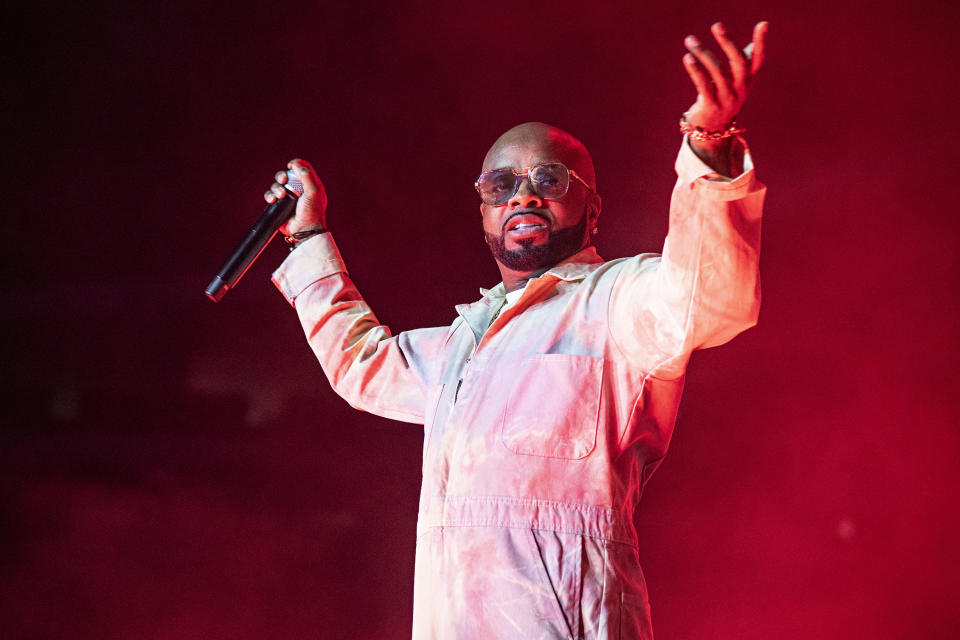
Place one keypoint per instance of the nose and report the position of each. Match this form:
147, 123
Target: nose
525, 197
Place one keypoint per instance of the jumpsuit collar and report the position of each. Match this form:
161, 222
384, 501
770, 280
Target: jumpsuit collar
480, 314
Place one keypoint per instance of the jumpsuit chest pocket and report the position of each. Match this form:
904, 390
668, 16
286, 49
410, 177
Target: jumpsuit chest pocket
553, 406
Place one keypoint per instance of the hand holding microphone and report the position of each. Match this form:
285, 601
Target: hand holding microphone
296, 203
311, 211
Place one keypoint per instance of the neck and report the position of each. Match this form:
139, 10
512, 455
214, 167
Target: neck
514, 279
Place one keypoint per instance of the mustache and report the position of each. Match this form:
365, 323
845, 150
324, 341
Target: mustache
524, 212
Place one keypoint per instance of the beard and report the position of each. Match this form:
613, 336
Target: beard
560, 245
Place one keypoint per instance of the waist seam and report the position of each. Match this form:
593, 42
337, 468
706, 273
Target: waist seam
593, 521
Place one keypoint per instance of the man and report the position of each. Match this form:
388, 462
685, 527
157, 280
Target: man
549, 402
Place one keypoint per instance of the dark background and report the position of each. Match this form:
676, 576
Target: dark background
175, 468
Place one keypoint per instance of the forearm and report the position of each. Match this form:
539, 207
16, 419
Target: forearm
372, 370
711, 255
705, 287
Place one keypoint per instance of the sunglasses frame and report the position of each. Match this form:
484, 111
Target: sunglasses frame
524, 174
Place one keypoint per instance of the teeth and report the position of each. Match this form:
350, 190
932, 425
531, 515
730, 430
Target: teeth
524, 227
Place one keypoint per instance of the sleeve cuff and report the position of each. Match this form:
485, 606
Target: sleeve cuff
315, 258
693, 171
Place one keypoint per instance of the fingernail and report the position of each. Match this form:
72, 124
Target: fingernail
692, 41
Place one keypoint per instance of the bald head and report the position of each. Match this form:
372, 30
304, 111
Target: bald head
529, 232
547, 143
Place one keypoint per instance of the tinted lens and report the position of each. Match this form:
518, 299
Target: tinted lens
550, 180
496, 187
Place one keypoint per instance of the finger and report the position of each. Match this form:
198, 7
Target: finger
704, 57
269, 197
311, 183
738, 66
281, 177
699, 77
278, 190
758, 45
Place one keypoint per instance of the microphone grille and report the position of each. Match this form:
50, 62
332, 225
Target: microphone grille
294, 185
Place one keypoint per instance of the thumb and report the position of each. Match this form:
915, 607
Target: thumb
311, 183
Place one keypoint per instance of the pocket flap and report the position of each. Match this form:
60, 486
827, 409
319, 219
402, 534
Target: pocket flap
554, 406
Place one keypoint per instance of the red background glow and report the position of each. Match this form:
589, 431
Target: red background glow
172, 468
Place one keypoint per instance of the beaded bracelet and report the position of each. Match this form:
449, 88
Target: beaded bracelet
699, 134
294, 239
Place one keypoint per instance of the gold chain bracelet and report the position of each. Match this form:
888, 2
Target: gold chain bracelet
699, 134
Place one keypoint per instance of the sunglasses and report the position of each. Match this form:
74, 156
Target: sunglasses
549, 180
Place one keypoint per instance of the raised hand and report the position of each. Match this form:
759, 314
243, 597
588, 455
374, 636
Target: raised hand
721, 89
312, 204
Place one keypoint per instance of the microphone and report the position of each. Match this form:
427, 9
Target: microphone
252, 245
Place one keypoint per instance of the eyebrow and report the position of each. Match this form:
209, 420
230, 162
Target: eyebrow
536, 164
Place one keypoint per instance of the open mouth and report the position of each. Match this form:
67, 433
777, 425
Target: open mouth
526, 223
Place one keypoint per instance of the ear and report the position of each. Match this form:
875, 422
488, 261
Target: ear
594, 205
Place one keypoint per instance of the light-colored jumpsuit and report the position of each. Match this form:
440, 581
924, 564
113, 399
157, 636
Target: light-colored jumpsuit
542, 423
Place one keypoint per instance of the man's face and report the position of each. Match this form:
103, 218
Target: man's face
530, 233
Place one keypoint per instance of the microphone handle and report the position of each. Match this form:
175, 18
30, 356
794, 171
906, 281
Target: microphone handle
262, 232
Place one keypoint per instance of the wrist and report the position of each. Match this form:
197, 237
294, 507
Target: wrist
295, 238
719, 148
708, 136
725, 157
